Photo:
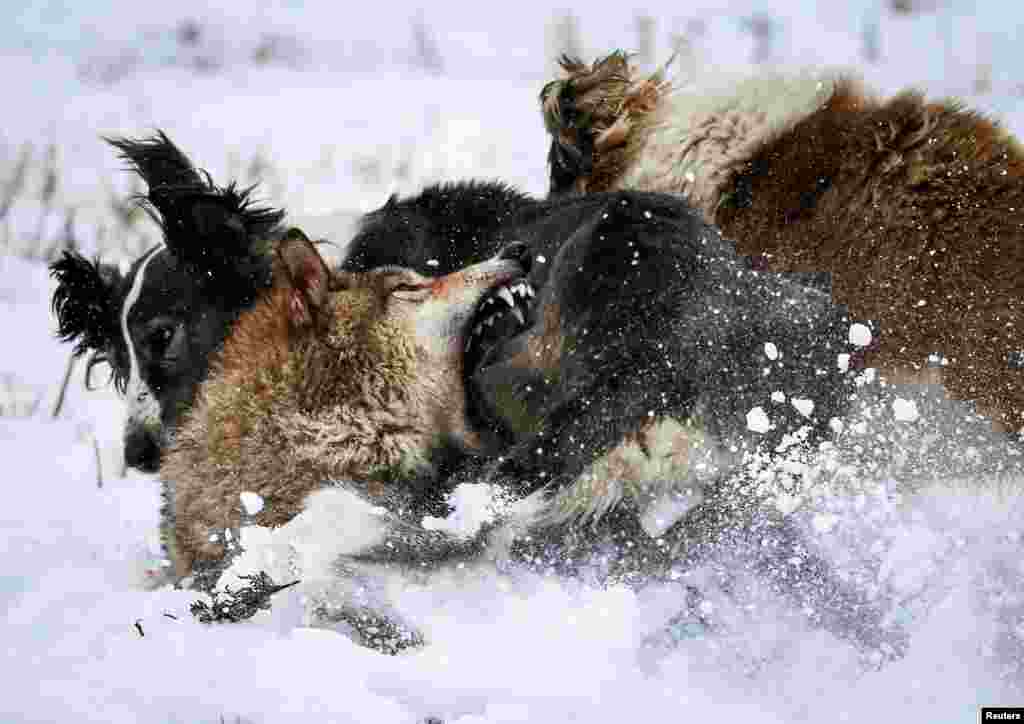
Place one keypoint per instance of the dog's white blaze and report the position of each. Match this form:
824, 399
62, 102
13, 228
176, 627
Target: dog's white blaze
143, 408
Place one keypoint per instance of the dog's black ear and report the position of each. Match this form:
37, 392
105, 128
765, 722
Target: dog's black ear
84, 302
159, 162
218, 232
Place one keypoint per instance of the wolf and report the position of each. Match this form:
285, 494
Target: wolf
910, 211
157, 325
331, 376
602, 368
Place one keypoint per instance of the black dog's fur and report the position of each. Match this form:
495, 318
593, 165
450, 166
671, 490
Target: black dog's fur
637, 279
654, 316
210, 267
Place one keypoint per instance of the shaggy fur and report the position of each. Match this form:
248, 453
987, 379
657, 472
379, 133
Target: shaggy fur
158, 325
614, 411
915, 208
623, 407
343, 377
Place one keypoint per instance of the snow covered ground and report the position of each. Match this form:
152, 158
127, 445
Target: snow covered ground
330, 134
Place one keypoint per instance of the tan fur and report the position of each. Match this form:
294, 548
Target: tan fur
665, 459
359, 387
916, 208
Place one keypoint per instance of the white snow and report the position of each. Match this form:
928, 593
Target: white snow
860, 334
758, 420
84, 638
771, 351
904, 410
473, 506
804, 406
251, 502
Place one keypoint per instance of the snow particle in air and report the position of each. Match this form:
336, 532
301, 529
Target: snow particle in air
757, 420
252, 502
905, 410
804, 406
860, 334
771, 351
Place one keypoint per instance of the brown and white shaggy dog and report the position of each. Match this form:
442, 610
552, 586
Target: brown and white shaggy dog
914, 207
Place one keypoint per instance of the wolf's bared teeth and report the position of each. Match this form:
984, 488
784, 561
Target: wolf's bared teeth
506, 296
489, 321
519, 315
476, 330
528, 291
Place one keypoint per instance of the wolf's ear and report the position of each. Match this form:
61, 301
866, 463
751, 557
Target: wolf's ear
307, 274
218, 232
84, 302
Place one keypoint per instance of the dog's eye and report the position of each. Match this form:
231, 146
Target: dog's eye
404, 283
159, 340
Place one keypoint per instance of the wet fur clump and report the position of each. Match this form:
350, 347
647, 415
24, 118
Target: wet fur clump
913, 208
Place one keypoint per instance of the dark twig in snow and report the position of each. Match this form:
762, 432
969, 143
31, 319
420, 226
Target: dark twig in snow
59, 404
234, 606
99, 460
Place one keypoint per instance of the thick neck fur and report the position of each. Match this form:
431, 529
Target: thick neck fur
287, 409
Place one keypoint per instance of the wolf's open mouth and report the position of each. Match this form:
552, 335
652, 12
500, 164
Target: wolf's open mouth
506, 311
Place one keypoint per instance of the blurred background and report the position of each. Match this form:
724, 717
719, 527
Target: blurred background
330, 107
333, 106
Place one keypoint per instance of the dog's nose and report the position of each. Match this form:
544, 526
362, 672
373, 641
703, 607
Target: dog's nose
520, 252
141, 451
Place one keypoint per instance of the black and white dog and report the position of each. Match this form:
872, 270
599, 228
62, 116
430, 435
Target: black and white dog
156, 326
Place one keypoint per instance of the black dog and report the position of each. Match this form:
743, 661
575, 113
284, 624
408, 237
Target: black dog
643, 319
157, 326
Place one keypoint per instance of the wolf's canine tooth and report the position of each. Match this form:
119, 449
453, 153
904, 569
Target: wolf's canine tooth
506, 296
